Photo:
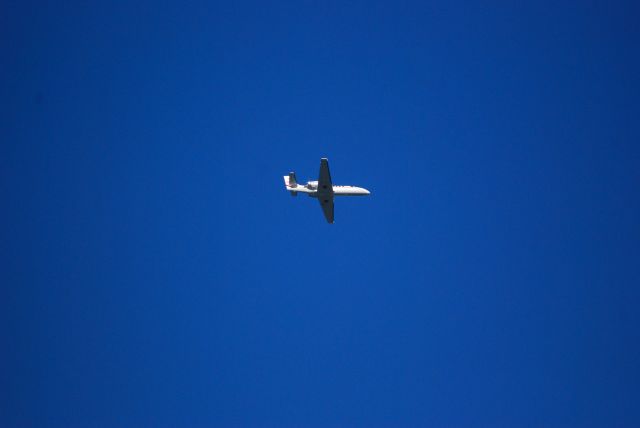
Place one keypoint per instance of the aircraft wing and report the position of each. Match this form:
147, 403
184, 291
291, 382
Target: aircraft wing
325, 190
324, 178
326, 202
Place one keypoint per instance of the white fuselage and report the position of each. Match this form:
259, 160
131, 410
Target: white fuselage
311, 188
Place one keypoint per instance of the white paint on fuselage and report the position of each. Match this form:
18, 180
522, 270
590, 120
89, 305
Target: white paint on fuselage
350, 191
311, 188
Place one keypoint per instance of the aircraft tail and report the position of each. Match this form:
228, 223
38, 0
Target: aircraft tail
291, 183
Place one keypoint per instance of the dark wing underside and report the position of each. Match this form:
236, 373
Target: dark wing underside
324, 177
325, 190
327, 207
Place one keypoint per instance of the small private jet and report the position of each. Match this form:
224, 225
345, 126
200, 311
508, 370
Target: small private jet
323, 189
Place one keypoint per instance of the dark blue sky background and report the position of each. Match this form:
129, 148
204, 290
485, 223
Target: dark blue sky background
156, 273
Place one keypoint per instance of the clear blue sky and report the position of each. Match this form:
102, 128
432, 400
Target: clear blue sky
154, 272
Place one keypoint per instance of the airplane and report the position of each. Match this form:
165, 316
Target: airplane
323, 189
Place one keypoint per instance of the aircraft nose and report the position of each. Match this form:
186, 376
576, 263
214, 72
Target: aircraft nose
366, 192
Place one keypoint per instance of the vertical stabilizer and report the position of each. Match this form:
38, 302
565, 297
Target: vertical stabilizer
291, 183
